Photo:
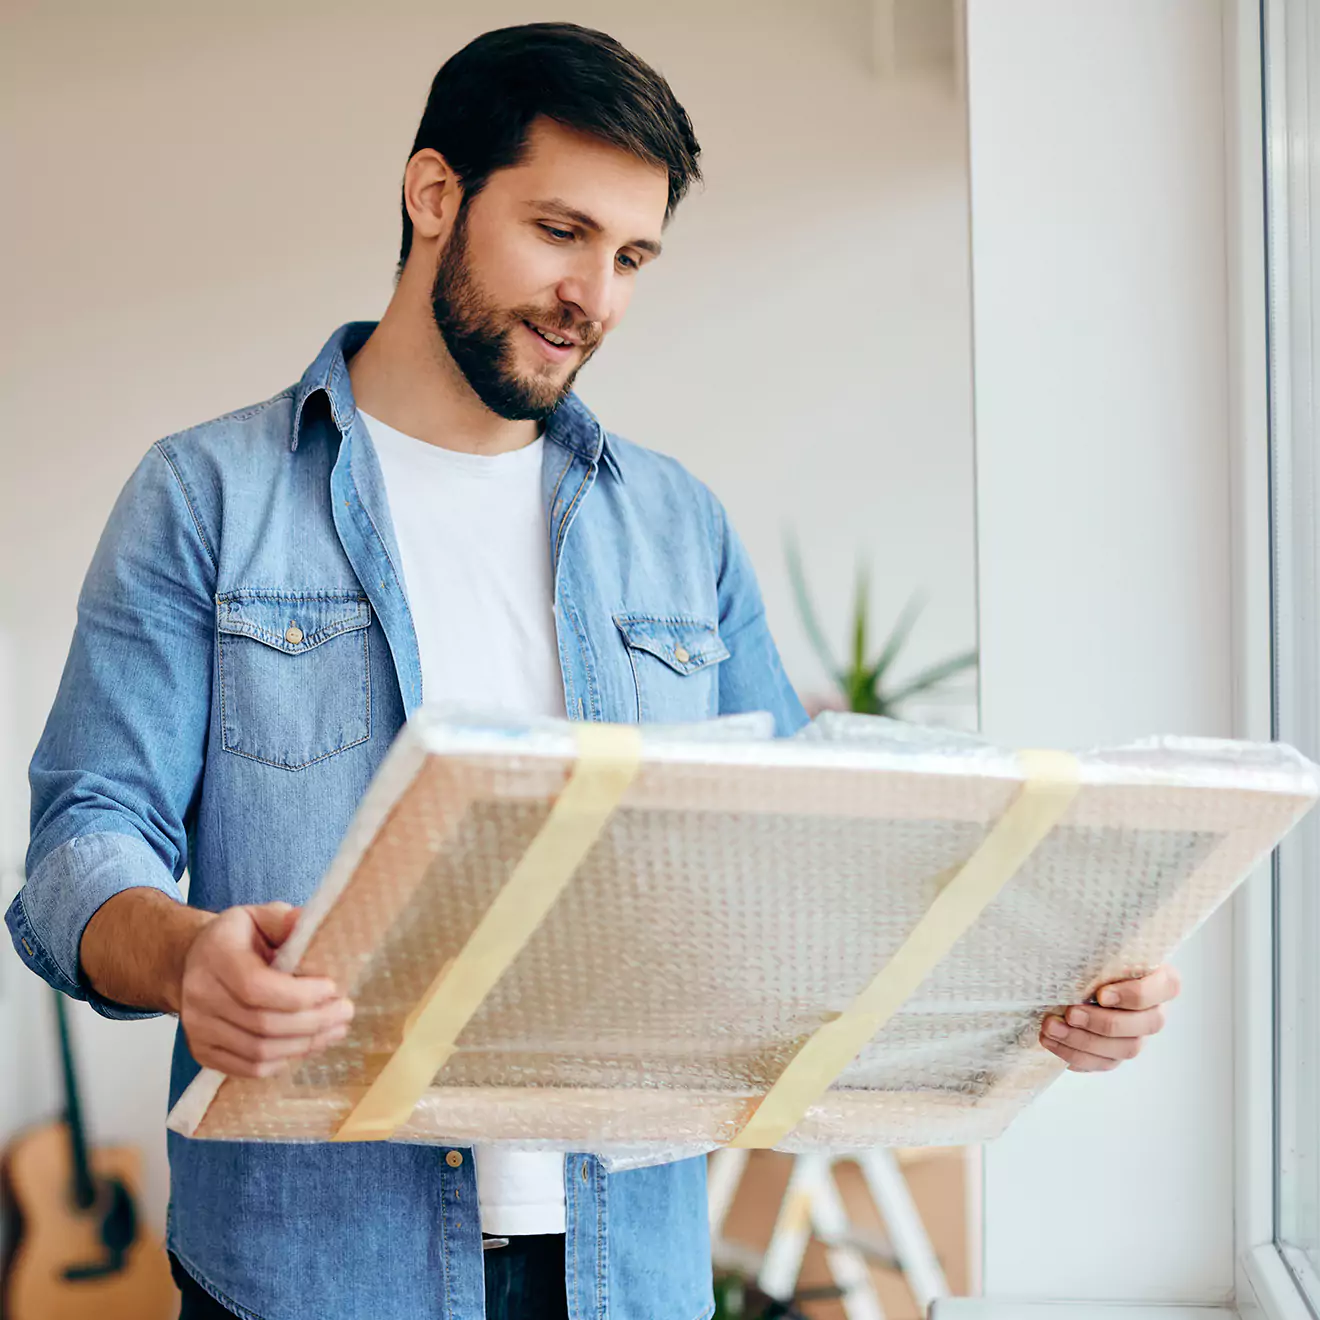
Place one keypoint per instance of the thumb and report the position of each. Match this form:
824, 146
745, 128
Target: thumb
275, 921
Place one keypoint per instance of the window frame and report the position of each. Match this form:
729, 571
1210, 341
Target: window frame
1260, 368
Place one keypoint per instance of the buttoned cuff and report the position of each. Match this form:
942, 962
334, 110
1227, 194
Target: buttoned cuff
47, 918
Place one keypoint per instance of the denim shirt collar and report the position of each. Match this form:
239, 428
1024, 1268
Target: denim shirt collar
572, 425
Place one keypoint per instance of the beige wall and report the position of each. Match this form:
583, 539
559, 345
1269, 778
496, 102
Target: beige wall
203, 192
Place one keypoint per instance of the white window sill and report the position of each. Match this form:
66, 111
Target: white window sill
974, 1308
1274, 1294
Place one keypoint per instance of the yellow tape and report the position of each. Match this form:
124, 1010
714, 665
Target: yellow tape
608, 758
1052, 781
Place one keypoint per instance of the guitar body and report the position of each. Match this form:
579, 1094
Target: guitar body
129, 1279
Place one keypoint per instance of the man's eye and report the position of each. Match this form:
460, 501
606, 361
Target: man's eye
630, 263
557, 233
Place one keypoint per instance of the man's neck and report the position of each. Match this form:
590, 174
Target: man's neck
404, 376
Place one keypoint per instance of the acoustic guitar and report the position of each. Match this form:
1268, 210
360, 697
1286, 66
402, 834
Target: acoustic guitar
76, 1248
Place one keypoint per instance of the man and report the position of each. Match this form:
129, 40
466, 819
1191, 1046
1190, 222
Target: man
429, 511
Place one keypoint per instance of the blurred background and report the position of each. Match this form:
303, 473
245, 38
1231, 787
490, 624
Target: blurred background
200, 194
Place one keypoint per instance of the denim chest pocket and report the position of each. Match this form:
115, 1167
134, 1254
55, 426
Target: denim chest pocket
674, 661
295, 674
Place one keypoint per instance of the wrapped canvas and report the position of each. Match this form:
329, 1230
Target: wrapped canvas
647, 942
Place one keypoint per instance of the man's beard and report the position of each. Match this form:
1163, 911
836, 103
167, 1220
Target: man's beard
480, 338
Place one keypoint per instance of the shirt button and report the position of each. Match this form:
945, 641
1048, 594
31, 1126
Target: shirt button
681, 654
294, 635
586, 1177
454, 1159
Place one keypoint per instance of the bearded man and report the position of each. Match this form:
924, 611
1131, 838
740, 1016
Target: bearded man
430, 512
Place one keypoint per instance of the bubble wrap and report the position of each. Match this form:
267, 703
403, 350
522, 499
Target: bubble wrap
742, 893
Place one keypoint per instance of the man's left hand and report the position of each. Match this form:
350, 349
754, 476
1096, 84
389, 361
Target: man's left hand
1098, 1037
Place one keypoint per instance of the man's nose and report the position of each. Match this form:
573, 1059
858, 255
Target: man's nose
588, 291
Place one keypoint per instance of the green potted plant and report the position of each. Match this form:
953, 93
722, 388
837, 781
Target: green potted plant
865, 683
737, 1298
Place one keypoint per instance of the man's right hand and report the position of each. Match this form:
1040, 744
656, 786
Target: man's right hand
241, 1016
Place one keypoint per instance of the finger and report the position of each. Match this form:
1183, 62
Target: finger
1158, 987
1116, 1021
252, 983
1077, 1061
1057, 1032
233, 1066
275, 920
259, 1049
274, 1022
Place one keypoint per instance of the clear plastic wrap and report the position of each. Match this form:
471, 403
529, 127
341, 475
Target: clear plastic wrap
741, 894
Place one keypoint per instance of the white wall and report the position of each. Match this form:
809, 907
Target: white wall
1098, 210
200, 193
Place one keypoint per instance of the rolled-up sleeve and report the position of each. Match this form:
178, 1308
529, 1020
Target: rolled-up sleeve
115, 775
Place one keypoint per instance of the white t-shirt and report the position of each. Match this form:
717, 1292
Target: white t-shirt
472, 534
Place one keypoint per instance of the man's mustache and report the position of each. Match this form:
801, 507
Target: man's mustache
588, 334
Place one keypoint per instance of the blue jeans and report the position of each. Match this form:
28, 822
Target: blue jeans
525, 1280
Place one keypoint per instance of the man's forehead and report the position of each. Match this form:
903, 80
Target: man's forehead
582, 173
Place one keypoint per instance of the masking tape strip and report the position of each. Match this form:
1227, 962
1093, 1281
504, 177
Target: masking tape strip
1052, 781
608, 759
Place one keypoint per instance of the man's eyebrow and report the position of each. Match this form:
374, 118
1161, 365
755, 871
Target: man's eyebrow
568, 212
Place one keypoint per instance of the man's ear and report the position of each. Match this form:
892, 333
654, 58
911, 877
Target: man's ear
432, 193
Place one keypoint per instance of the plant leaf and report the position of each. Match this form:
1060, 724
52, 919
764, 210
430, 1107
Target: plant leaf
932, 677
860, 600
806, 610
898, 636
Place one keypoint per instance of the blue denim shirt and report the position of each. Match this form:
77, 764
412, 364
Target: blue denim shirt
189, 732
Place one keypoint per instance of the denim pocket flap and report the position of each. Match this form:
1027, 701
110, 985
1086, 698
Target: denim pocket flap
686, 644
292, 622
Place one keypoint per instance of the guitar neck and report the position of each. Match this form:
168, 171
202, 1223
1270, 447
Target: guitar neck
84, 1188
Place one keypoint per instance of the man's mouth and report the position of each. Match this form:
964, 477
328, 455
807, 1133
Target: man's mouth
552, 345
551, 338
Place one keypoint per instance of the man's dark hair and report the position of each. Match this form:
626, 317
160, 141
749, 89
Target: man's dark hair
484, 99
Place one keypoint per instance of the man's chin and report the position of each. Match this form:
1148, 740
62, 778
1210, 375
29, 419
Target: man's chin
546, 389
529, 404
